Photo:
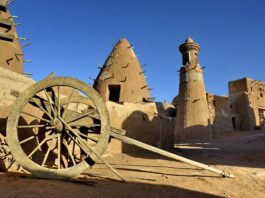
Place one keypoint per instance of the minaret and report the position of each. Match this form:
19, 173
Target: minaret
11, 56
192, 121
121, 78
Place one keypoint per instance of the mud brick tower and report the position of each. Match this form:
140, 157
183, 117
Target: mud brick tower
192, 121
11, 56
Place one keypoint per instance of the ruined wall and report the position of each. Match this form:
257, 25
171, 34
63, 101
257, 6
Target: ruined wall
11, 56
147, 122
220, 113
121, 78
192, 122
247, 99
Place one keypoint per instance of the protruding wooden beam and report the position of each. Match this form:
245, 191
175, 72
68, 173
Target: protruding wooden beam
125, 66
9, 1
144, 87
3, 6
5, 23
124, 80
26, 44
6, 36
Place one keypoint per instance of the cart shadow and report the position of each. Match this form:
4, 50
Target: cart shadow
90, 187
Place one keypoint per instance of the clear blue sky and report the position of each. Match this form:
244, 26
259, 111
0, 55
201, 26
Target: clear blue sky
72, 37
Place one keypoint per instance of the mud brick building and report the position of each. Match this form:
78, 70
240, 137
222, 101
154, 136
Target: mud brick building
247, 103
201, 115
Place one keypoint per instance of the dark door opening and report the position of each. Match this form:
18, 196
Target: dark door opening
234, 122
114, 93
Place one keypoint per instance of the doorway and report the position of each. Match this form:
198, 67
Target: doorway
114, 93
234, 122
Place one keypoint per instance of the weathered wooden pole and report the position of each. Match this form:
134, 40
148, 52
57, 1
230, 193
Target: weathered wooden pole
168, 154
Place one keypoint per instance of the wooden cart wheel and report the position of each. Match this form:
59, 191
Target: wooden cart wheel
53, 123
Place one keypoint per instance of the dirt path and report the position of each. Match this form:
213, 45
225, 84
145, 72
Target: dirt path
149, 175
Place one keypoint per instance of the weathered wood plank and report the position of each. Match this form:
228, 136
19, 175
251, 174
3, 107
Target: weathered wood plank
169, 155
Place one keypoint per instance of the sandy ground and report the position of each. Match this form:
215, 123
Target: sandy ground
149, 175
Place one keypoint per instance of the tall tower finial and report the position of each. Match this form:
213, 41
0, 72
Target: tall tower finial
189, 40
189, 51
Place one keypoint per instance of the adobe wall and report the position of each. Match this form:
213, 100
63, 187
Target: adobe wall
238, 86
146, 122
220, 113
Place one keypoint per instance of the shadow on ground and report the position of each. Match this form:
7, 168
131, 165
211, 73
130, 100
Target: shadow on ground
29, 187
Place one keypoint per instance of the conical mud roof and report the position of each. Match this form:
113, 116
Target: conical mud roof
11, 56
121, 78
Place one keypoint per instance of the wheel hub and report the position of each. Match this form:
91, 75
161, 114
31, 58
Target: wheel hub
58, 125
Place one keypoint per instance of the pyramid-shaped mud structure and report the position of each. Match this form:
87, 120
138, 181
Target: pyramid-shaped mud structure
121, 78
11, 56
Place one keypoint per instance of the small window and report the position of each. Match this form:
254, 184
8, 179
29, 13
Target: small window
186, 58
261, 95
231, 106
114, 93
250, 88
214, 103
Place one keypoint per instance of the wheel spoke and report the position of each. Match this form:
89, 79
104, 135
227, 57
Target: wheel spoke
59, 150
68, 149
85, 125
77, 143
39, 145
81, 134
59, 103
50, 102
46, 112
48, 151
31, 126
83, 115
31, 137
74, 147
87, 136
93, 139
67, 104
29, 114
27, 139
